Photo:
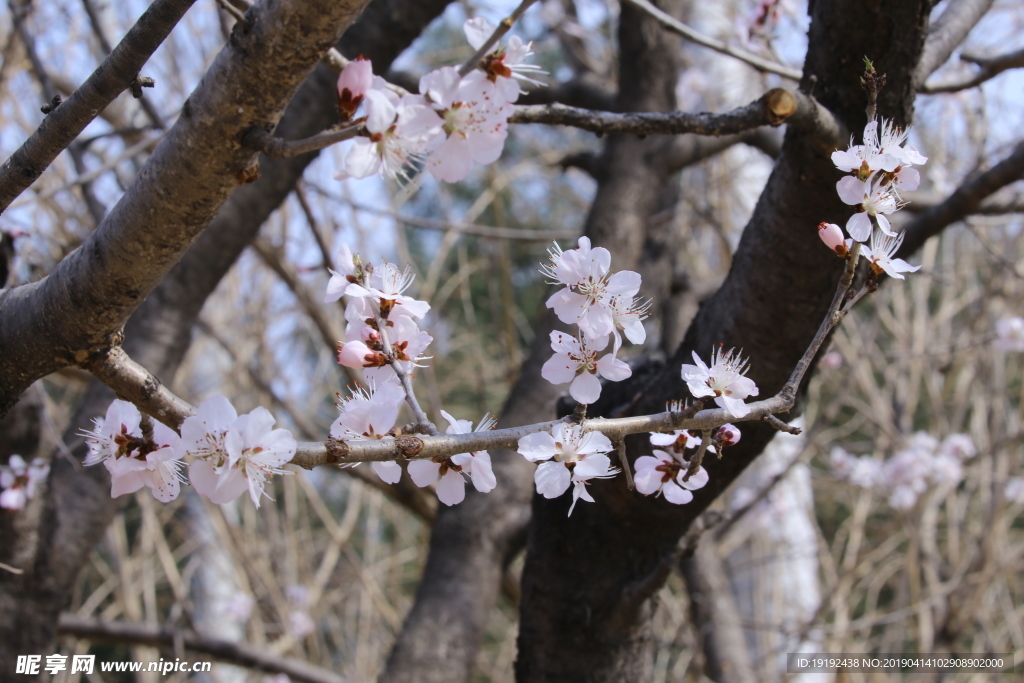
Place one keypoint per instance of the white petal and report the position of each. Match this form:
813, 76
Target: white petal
586, 388
477, 30
390, 472
552, 479
559, 369
452, 488
851, 190
423, 472
537, 446
676, 495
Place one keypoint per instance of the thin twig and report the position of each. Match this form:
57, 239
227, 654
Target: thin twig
620, 449
504, 26
61, 126
259, 139
403, 378
782, 426
990, 67
682, 29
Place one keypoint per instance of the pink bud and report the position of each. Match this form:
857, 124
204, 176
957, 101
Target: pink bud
832, 235
354, 81
354, 354
728, 435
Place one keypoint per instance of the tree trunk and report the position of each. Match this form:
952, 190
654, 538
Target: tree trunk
585, 613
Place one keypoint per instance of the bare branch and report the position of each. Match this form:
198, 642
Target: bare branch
964, 200
990, 68
223, 650
80, 307
773, 108
132, 382
260, 140
676, 26
948, 32
117, 73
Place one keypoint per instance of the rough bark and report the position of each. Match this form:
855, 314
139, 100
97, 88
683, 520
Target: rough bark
472, 542
585, 616
78, 506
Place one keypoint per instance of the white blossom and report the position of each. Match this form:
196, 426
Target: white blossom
724, 380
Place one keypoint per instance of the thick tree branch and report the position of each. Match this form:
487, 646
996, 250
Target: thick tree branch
946, 34
79, 309
964, 201
673, 24
132, 382
62, 125
241, 654
990, 67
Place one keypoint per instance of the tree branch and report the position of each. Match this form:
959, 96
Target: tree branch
115, 74
80, 307
676, 26
964, 201
990, 68
775, 107
94, 630
946, 34
262, 141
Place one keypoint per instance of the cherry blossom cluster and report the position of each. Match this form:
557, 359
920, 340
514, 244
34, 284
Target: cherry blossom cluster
668, 470
881, 170
229, 454
19, 481
454, 122
375, 297
604, 305
924, 462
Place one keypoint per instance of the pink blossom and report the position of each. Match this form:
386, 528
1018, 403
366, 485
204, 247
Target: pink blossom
400, 133
133, 461
603, 301
475, 122
346, 274
503, 66
724, 380
872, 197
574, 457
234, 453
371, 414
664, 473
576, 360
728, 435
881, 255
386, 285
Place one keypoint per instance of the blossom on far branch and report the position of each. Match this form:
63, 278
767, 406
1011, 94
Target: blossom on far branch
1010, 334
449, 472
724, 380
576, 360
573, 457
20, 481
133, 460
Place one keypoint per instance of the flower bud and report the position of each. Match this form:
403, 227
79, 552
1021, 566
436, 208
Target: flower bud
356, 354
832, 235
728, 435
355, 79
